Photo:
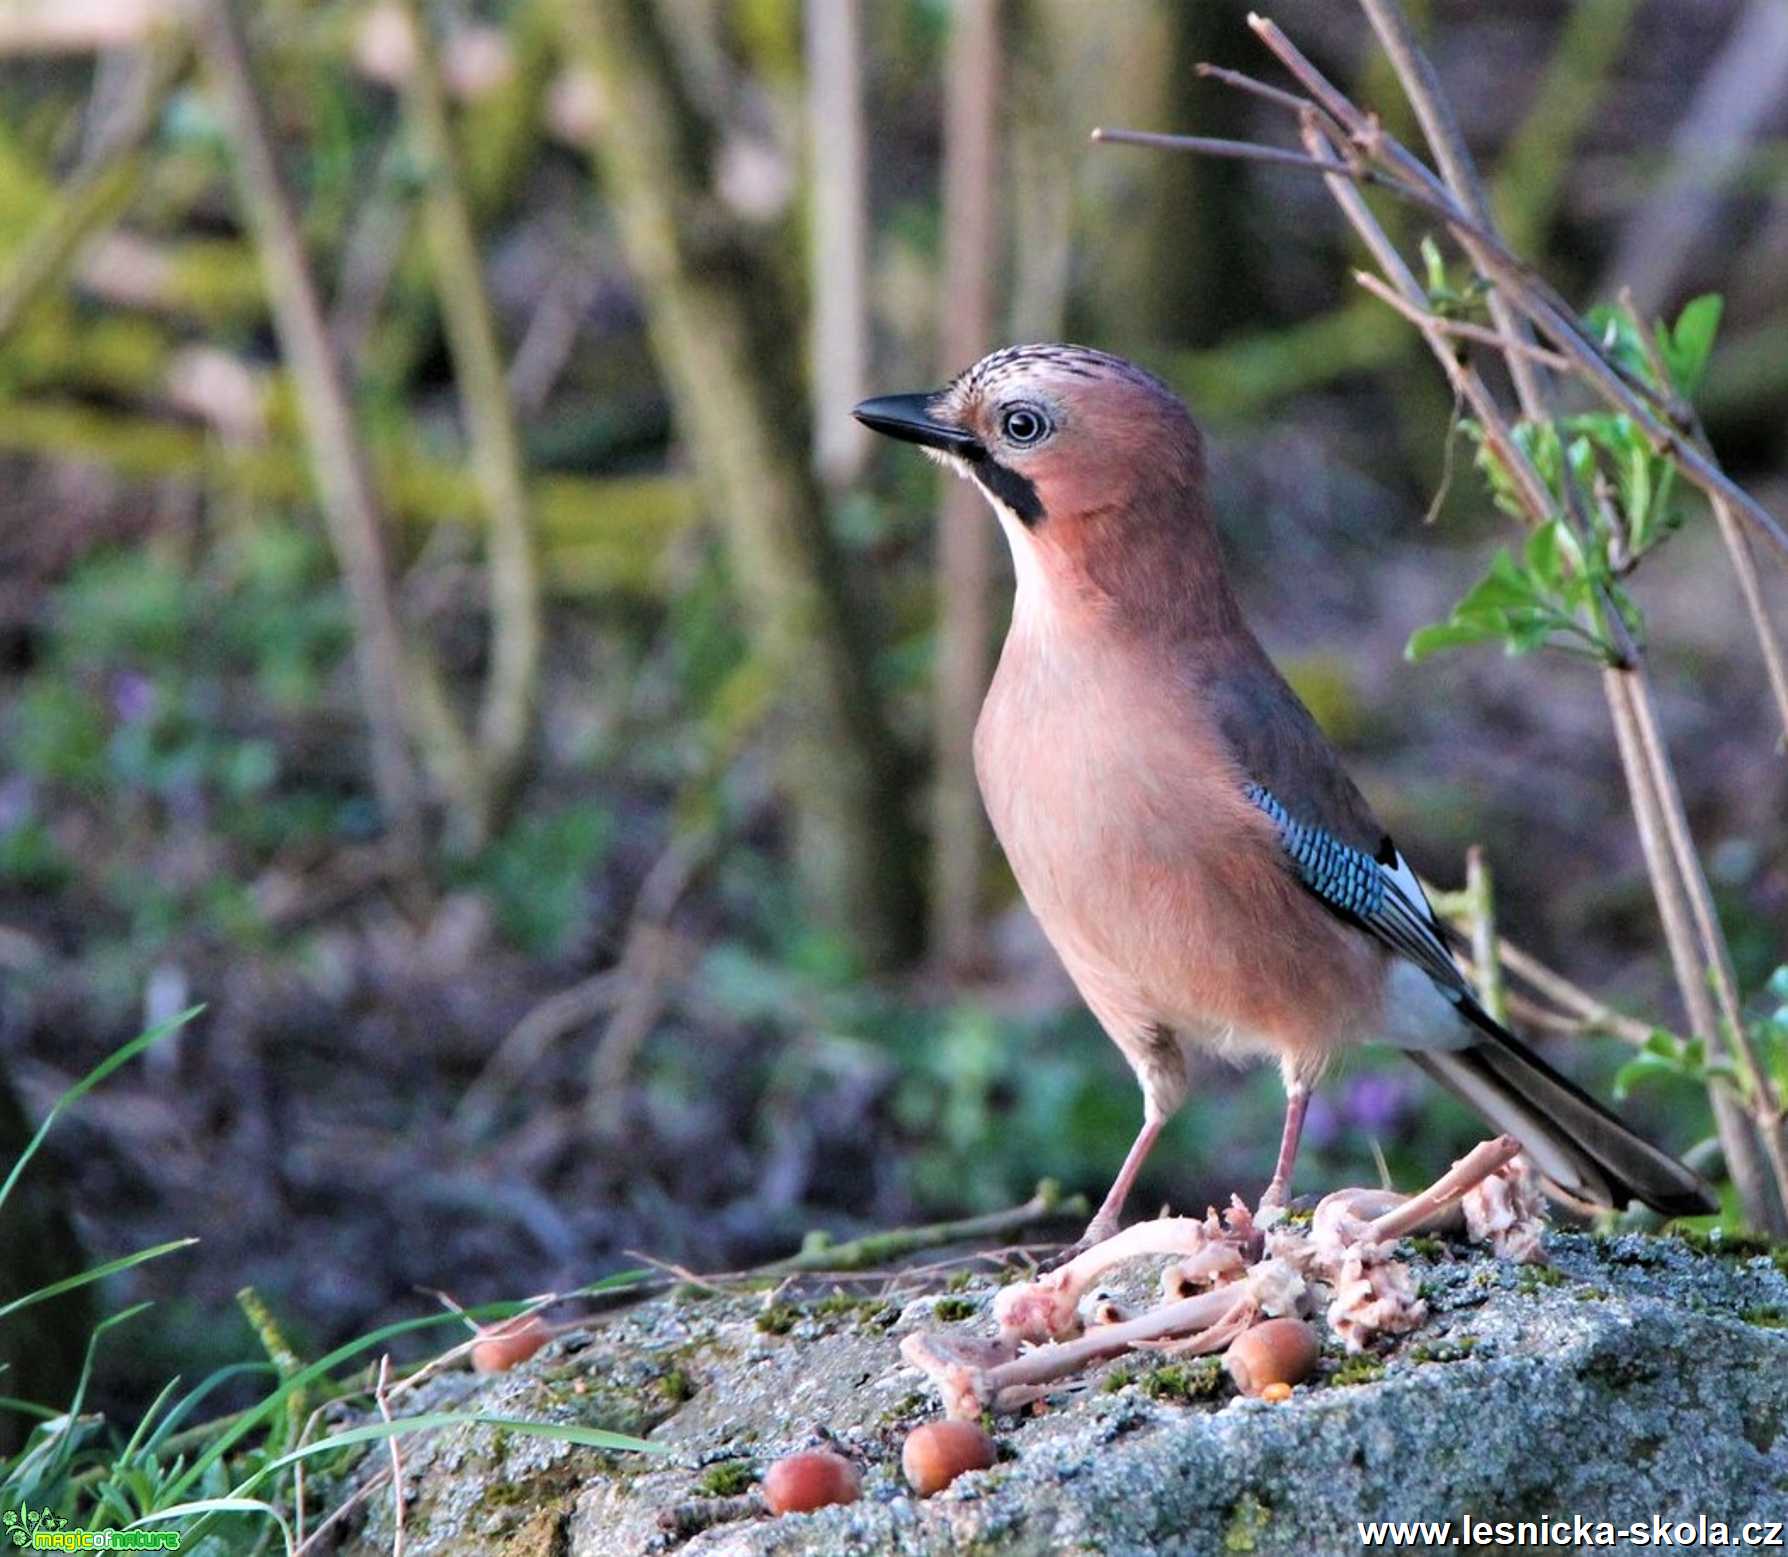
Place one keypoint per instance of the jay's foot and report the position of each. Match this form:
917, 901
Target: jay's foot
1097, 1231
1273, 1199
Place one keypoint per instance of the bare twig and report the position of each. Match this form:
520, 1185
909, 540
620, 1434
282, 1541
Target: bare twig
1463, 329
651, 954
876, 1248
1435, 114
562, 1012
397, 1459
1481, 893
1769, 643
1517, 284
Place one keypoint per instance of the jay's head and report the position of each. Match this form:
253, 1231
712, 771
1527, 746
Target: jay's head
1094, 466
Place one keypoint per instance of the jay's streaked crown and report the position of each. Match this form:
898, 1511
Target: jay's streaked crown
1029, 422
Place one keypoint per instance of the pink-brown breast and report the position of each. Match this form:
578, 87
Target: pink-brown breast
1160, 885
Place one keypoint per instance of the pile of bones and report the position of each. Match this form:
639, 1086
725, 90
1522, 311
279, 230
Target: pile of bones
1230, 1273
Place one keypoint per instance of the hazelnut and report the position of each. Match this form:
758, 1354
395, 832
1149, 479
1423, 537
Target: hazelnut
501, 1347
1276, 1351
800, 1483
937, 1453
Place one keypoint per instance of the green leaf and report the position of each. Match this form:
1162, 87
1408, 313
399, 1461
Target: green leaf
1647, 1067
1425, 641
1503, 587
1434, 267
1542, 556
1687, 347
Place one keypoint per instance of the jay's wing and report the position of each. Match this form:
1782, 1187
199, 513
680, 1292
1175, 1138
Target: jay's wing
1378, 892
1333, 843
1343, 856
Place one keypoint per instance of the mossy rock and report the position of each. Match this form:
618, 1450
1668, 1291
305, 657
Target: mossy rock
1678, 1348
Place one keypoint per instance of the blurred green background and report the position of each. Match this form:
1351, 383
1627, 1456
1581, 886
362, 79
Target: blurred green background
681, 973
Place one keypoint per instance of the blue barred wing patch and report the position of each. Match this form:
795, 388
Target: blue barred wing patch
1388, 903
1342, 877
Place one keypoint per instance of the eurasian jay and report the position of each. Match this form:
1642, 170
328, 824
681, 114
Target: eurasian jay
1183, 831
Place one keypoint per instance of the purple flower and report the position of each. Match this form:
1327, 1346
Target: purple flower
133, 697
1322, 1125
18, 798
1375, 1103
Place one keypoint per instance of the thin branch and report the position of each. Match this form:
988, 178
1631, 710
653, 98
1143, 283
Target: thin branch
1481, 892
877, 1248
1740, 1141
1465, 379
1462, 329
1515, 280
1713, 941
1588, 1013
1243, 82
1435, 114
397, 1459
652, 954
1769, 644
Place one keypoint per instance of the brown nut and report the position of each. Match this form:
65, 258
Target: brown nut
514, 1341
1276, 1351
937, 1453
800, 1483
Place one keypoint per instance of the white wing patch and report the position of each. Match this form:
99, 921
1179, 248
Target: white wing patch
1402, 877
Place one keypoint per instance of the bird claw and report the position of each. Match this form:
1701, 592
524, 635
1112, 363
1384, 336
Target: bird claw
1097, 1231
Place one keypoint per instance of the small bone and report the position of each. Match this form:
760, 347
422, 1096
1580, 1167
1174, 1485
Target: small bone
1213, 1266
1045, 1309
1420, 1210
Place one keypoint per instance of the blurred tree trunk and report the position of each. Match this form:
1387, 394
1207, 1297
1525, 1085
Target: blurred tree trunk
965, 536
512, 688
42, 1347
727, 338
344, 480
1041, 181
838, 245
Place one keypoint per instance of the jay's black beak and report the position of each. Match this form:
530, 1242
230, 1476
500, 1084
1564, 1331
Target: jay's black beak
908, 417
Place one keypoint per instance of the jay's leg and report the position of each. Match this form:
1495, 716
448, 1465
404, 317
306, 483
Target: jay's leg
1297, 1099
1105, 1220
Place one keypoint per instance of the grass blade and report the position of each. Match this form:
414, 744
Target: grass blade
94, 1273
86, 1084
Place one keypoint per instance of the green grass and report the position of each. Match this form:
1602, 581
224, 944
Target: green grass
222, 1481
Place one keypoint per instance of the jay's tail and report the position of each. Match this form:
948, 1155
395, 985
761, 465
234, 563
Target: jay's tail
1572, 1139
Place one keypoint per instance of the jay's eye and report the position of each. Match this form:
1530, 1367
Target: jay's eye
1023, 426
